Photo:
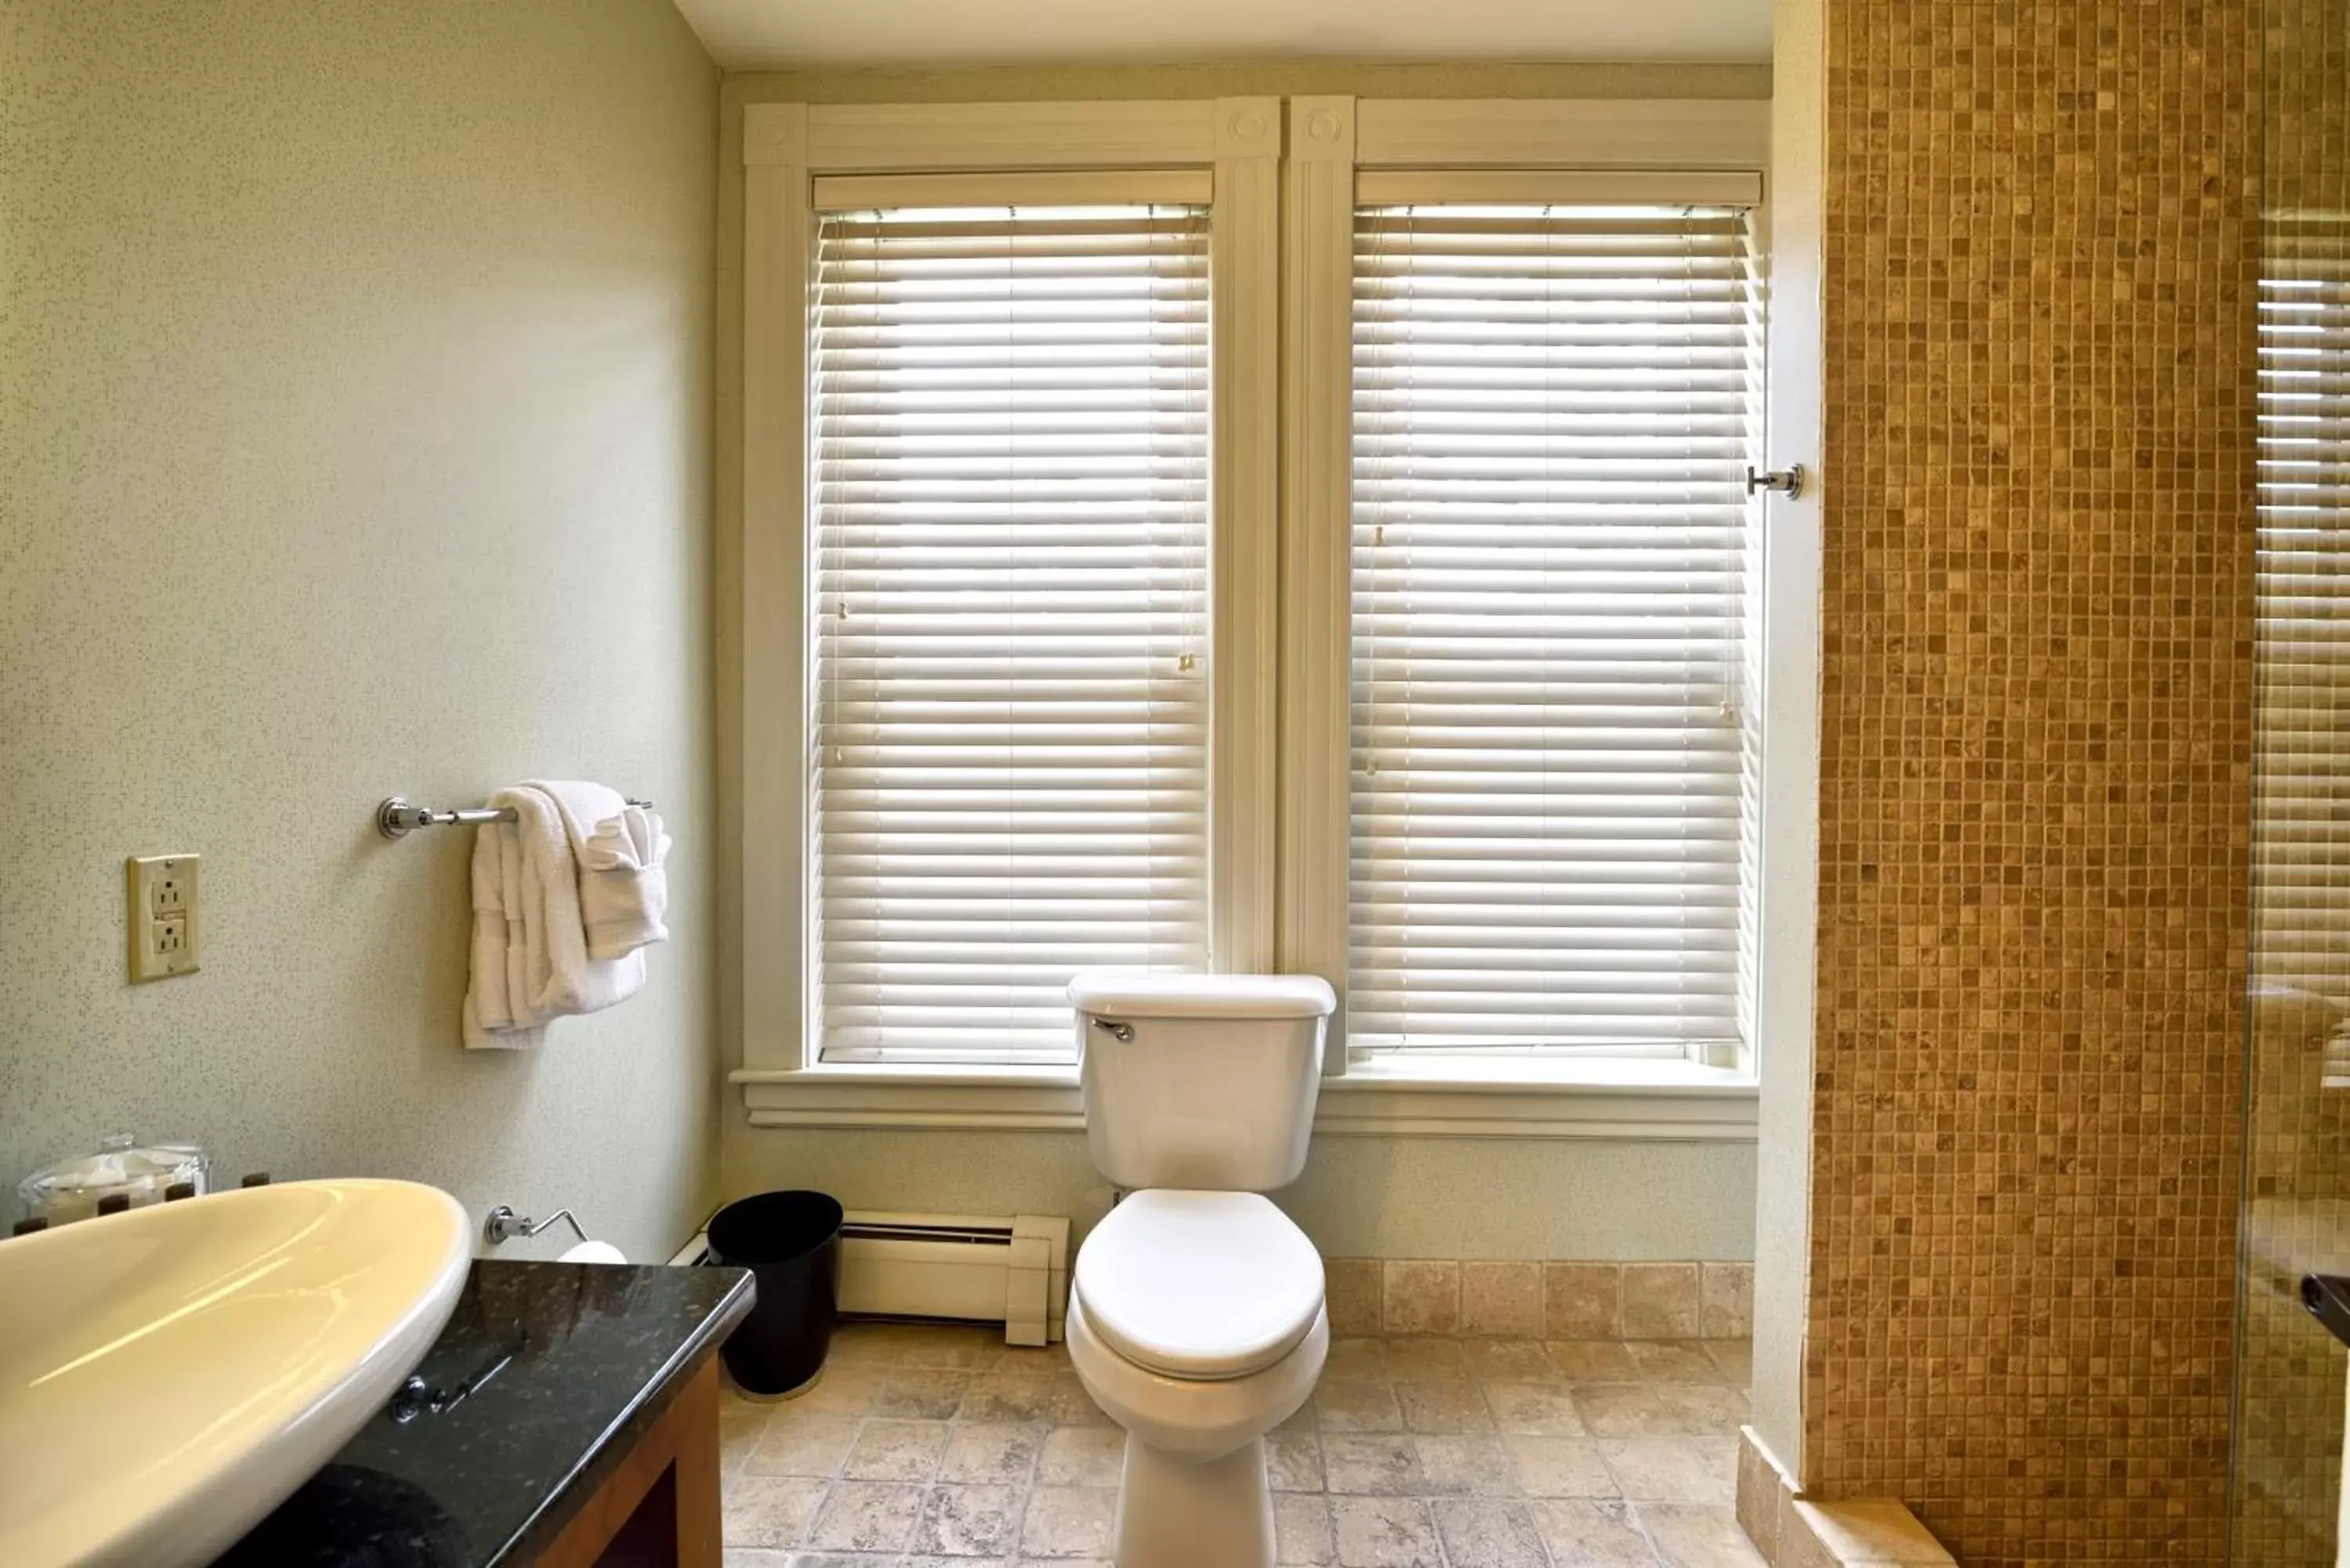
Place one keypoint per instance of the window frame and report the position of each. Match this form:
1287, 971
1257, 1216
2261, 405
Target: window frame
786, 149
1281, 290
1335, 142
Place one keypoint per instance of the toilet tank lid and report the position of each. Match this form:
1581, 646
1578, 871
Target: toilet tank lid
1203, 996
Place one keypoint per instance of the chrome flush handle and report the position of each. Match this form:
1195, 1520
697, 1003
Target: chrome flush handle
1121, 1032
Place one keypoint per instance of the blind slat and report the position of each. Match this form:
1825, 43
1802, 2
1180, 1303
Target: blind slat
1552, 770
1009, 603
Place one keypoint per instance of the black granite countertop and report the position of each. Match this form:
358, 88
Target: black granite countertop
586, 1358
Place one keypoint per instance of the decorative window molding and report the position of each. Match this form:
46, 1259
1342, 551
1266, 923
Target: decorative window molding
1282, 280
799, 159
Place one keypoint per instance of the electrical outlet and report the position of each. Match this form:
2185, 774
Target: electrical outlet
162, 909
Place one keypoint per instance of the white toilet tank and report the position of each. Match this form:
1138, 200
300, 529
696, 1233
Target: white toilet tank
1201, 1081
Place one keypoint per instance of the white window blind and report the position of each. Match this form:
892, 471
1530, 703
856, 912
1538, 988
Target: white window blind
1010, 620
1554, 407
2302, 794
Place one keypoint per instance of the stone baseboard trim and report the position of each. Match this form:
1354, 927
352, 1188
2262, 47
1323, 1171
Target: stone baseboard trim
1515, 1299
1794, 1531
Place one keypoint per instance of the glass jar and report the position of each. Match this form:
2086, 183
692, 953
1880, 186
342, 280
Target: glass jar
73, 1189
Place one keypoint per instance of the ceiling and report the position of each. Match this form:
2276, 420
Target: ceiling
752, 34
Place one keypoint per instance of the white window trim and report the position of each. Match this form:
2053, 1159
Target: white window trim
1391, 144
1283, 259
786, 149
1649, 1101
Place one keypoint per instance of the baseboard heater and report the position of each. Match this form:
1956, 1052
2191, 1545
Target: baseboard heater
969, 1268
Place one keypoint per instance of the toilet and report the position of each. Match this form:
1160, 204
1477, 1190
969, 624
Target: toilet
1195, 1317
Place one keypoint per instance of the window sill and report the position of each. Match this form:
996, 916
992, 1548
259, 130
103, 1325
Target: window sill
1646, 1100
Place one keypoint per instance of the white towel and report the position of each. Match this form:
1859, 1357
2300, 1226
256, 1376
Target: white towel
531, 963
620, 848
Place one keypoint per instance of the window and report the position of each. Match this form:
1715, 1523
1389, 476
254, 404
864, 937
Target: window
1009, 741
1245, 534
1553, 753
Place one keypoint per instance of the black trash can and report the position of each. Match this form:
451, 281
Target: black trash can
791, 1244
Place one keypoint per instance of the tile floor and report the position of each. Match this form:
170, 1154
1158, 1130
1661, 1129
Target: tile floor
931, 1446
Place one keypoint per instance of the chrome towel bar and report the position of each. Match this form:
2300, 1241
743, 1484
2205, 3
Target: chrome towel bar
394, 817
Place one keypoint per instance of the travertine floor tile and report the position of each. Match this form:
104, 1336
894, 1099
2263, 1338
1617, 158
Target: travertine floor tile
933, 1446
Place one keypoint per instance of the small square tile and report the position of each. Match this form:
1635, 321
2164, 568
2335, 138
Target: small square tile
1559, 1467
1420, 1297
968, 1520
1422, 1356
988, 1454
1592, 1360
1591, 1533
1082, 1456
1501, 1300
1511, 1360
1444, 1407
1759, 1497
1695, 1536
1534, 1410
1292, 1461
1069, 1522
845, 1390
739, 1432
1385, 1532
1357, 1408
1734, 1358
1659, 1410
1726, 1300
1872, 1530
797, 1443
866, 1516
771, 1512
755, 1557
1362, 1358
896, 1450
1673, 1361
1583, 1301
1465, 1466
1660, 1301
1073, 1406
1674, 1469
1385, 1465
1351, 1293
1033, 1360
923, 1393
1010, 1397
1301, 1531
1483, 1534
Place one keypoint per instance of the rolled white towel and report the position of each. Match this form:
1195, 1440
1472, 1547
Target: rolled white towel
619, 848
548, 970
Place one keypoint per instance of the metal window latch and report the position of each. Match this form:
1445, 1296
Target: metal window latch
1786, 481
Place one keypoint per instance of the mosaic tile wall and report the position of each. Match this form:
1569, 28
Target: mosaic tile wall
2035, 764
2289, 1438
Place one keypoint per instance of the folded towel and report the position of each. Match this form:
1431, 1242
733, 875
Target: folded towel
620, 848
530, 949
489, 1019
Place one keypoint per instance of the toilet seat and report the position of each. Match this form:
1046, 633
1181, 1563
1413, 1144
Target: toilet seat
1204, 1287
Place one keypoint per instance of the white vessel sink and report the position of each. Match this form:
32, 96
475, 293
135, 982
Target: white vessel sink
169, 1375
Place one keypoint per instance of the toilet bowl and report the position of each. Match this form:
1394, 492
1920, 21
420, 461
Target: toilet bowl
1197, 1323
1196, 1317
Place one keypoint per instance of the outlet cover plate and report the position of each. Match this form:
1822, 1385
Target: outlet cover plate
161, 906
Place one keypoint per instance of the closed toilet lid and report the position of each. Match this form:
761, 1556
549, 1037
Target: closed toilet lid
1204, 1285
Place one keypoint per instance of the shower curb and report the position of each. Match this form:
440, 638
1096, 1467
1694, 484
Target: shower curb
1794, 1531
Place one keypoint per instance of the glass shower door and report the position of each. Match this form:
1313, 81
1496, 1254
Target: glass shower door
2290, 1370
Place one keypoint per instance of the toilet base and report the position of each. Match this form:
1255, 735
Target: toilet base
1174, 1512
